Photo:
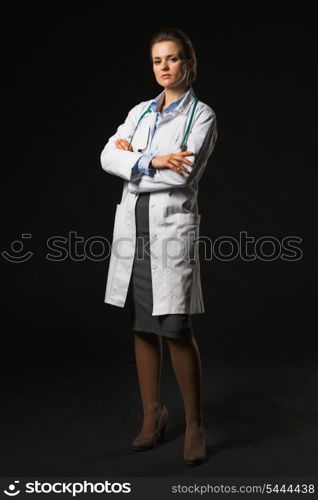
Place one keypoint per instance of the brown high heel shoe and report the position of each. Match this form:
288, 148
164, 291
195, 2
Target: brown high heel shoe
192, 457
142, 444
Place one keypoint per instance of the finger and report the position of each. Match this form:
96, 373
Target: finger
188, 162
124, 145
177, 167
184, 160
179, 164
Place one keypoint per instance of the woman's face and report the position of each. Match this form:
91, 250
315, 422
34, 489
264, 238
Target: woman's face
166, 60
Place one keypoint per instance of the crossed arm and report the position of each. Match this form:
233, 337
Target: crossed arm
120, 162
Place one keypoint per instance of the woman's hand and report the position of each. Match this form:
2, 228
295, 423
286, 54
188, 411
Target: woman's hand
123, 144
173, 161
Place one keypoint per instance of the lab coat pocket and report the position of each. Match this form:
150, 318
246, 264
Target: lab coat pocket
181, 244
185, 219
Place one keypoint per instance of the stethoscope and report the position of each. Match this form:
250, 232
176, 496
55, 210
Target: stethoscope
183, 145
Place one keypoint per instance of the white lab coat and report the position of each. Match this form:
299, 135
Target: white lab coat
174, 219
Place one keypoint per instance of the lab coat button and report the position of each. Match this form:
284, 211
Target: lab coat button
153, 205
154, 266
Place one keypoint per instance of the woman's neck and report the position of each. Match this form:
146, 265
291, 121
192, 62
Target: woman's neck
171, 95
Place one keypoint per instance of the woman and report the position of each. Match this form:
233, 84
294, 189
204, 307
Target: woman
161, 151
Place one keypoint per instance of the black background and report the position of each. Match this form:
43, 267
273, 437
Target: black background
70, 75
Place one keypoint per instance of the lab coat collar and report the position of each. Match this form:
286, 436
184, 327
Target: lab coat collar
185, 103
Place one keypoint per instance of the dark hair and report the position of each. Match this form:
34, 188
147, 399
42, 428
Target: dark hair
187, 51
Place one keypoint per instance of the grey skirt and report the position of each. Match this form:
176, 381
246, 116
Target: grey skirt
140, 298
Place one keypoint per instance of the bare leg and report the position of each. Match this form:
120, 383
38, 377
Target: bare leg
186, 362
148, 354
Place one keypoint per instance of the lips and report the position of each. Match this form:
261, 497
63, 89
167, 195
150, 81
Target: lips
166, 75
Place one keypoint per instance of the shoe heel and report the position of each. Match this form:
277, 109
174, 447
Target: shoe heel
140, 444
162, 433
161, 436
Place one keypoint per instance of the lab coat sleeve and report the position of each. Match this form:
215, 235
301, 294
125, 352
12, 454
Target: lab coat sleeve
201, 141
144, 164
119, 161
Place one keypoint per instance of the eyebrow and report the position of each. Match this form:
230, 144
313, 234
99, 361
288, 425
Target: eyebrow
169, 55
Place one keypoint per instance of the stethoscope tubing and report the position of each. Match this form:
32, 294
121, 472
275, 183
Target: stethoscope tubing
183, 145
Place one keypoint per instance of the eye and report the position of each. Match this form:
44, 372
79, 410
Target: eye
171, 59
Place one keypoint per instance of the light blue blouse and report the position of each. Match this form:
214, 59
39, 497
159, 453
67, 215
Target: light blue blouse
143, 164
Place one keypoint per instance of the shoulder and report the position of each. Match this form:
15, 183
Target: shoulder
204, 115
140, 108
204, 110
